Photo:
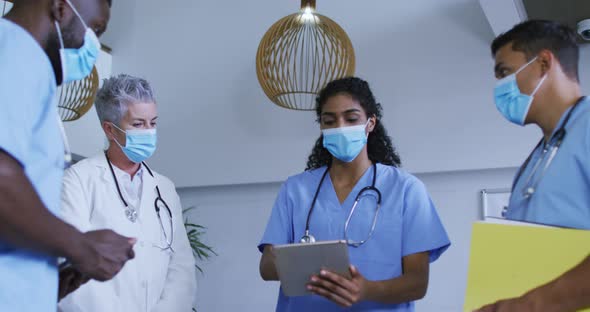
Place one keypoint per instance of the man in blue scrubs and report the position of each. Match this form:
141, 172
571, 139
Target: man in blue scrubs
537, 64
32, 37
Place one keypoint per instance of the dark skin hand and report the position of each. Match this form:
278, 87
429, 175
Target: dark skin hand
341, 290
70, 280
346, 292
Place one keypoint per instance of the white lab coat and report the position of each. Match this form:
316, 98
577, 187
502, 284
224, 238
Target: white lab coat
155, 280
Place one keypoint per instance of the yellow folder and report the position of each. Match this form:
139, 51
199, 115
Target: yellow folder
506, 261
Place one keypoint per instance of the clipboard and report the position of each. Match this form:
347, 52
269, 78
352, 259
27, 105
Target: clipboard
296, 263
509, 258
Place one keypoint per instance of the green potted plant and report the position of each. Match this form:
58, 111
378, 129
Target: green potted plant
201, 251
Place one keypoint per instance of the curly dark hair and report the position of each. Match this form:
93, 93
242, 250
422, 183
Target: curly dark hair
379, 146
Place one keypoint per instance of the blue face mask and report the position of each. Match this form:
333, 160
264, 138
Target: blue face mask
345, 143
140, 144
76, 64
511, 103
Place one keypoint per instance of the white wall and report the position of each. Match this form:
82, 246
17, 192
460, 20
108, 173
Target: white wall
428, 62
236, 217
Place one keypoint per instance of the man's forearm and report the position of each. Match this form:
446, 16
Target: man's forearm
398, 290
25, 221
268, 270
569, 292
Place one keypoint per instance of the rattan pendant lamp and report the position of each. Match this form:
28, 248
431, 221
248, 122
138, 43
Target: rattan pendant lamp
300, 54
77, 97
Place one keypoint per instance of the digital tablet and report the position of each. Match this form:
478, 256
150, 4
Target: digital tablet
296, 263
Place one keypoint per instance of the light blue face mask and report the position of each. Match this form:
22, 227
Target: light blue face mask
140, 144
345, 143
513, 104
76, 64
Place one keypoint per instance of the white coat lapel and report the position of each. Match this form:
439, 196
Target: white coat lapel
100, 161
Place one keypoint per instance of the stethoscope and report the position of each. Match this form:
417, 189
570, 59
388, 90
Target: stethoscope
308, 238
531, 184
159, 204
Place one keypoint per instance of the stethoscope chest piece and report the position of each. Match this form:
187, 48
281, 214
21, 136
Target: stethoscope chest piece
529, 192
307, 238
131, 214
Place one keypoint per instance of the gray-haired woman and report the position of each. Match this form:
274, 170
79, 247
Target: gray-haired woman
117, 190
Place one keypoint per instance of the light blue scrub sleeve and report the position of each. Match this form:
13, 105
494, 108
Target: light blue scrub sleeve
279, 229
422, 228
15, 131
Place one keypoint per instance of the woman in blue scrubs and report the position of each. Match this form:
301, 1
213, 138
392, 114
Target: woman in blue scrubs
389, 270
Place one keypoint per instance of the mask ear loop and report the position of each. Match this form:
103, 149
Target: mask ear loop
539, 85
540, 82
59, 36
115, 139
77, 14
62, 59
526, 65
112, 123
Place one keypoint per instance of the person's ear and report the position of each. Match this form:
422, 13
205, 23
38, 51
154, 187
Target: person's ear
59, 11
109, 130
547, 61
372, 124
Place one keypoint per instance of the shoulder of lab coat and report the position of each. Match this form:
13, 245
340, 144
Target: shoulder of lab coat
181, 283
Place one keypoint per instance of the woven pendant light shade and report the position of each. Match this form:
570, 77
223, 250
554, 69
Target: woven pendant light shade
299, 55
77, 97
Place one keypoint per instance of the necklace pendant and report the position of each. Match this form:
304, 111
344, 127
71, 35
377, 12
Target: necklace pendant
131, 214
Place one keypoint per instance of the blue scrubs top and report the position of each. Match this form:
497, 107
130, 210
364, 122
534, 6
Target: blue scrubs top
562, 196
29, 132
407, 224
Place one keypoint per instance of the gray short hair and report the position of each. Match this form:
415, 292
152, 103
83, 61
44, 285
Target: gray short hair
118, 92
